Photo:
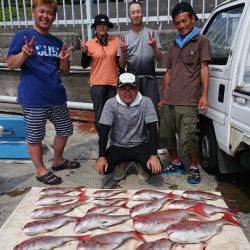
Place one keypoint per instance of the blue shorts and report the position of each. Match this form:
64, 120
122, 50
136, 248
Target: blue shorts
36, 118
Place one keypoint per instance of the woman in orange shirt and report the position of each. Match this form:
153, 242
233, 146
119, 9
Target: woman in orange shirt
101, 52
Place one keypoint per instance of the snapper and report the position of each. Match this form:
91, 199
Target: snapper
189, 232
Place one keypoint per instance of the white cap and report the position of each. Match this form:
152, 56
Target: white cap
127, 78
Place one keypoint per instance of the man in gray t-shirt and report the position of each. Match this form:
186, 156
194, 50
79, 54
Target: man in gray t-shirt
138, 51
131, 120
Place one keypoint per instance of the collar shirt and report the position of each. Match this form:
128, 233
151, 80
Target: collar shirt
185, 85
136, 101
104, 69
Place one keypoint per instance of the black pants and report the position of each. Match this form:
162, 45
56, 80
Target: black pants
99, 95
139, 154
148, 87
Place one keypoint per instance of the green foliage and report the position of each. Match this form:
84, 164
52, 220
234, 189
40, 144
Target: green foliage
14, 13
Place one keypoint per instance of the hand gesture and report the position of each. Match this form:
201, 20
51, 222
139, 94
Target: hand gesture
28, 48
151, 40
101, 165
123, 44
159, 104
203, 103
83, 46
65, 52
154, 164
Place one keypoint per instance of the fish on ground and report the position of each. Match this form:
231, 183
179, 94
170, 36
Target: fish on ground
161, 244
202, 196
105, 209
60, 190
49, 212
56, 199
47, 242
150, 194
148, 207
208, 208
47, 225
109, 241
193, 232
158, 222
102, 221
104, 193
110, 201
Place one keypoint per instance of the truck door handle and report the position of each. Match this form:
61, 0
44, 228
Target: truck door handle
221, 93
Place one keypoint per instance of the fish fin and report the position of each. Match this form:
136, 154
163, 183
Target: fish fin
82, 237
228, 198
82, 196
233, 211
171, 195
125, 205
199, 209
139, 236
229, 218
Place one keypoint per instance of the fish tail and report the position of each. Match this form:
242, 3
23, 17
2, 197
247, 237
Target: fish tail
82, 196
171, 195
199, 209
82, 237
229, 218
228, 198
79, 189
138, 236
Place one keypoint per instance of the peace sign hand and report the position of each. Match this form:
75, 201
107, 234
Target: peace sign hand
123, 44
83, 46
151, 40
65, 52
28, 48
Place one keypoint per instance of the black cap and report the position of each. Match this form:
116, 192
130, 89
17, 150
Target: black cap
181, 8
102, 19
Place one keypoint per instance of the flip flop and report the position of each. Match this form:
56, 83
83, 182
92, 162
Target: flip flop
66, 165
49, 179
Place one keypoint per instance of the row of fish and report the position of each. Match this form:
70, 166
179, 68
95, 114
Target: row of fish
147, 219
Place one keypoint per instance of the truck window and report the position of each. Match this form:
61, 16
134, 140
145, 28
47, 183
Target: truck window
220, 31
246, 78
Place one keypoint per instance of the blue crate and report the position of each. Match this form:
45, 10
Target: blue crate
12, 141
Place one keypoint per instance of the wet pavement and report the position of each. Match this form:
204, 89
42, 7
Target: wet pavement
16, 178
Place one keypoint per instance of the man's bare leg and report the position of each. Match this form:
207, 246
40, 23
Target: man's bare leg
174, 155
59, 145
36, 154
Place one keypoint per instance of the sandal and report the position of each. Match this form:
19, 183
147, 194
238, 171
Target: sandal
49, 179
66, 165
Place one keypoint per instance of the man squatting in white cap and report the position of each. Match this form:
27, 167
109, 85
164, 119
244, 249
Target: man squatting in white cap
125, 116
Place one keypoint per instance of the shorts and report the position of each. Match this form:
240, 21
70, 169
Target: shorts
36, 118
180, 120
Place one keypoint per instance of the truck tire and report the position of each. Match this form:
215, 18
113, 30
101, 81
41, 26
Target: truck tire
208, 149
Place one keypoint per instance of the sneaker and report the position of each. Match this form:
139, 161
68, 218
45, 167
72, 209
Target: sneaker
193, 176
121, 170
141, 173
173, 168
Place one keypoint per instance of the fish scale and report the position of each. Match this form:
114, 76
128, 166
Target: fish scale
189, 232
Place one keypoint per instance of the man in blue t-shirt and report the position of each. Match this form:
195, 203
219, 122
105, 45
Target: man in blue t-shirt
40, 92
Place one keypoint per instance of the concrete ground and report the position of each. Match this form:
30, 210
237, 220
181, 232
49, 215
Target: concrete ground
17, 178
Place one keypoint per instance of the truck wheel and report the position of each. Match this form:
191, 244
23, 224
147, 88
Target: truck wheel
208, 149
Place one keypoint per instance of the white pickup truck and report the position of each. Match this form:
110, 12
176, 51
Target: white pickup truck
224, 139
